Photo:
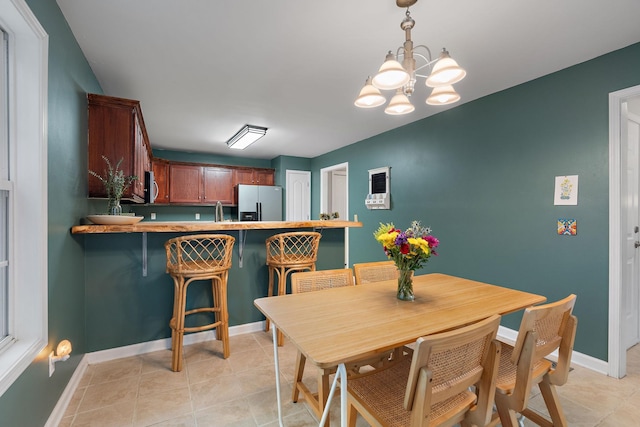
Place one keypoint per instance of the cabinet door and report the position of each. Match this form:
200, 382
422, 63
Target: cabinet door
109, 136
185, 184
161, 176
264, 176
140, 158
217, 185
244, 176
116, 131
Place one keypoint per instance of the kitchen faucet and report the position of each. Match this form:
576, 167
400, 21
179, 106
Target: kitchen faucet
219, 213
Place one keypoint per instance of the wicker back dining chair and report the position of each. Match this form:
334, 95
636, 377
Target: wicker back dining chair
543, 329
287, 253
309, 281
450, 379
368, 272
193, 258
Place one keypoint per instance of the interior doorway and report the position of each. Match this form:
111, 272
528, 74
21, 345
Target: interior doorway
334, 197
624, 227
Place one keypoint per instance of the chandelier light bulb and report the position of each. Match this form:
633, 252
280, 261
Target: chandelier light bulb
399, 104
445, 72
443, 95
369, 96
391, 74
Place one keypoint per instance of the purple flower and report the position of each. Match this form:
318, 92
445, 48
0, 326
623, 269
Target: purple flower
401, 239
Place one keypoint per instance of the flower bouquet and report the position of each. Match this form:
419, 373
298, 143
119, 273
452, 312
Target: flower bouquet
409, 250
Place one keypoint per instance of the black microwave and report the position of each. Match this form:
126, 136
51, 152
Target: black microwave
150, 187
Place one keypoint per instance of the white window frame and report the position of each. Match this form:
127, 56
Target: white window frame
28, 294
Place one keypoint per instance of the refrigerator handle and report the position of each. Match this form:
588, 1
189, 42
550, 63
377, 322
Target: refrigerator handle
259, 210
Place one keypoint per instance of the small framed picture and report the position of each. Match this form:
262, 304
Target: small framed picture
566, 190
567, 226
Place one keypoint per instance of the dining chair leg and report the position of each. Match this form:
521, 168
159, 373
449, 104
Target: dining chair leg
352, 416
297, 378
551, 399
508, 417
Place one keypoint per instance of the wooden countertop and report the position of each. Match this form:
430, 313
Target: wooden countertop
197, 226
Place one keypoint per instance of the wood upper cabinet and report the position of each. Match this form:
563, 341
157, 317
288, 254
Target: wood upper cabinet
161, 177
185, 184
243, 176
117, 131
254, 176
217, 185
204, 184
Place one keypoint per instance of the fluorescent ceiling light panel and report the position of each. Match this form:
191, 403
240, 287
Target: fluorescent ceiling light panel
246, 136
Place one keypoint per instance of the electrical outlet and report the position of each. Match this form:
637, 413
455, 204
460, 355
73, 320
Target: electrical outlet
153, 215
52, 364
197, 216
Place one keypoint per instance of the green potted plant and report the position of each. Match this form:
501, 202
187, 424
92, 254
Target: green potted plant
115, 184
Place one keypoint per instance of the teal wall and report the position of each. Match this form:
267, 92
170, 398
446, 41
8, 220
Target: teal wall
281, 165
30, 400
482, 176
183, 156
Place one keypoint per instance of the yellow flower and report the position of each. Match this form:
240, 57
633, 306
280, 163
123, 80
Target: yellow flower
422, 244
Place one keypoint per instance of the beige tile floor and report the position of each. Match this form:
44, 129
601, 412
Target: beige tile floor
240, 391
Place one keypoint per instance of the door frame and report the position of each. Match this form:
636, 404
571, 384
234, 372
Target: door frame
324, 197
617, 355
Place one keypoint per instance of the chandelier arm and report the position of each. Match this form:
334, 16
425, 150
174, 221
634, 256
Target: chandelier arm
427, 64
428, 51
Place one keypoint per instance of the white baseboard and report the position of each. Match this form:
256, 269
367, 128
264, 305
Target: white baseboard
505, 334
133, 350
509, 336
58, 411
164, 344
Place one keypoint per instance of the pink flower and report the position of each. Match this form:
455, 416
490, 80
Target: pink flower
432, 241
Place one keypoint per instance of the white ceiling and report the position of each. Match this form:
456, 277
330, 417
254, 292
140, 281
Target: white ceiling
204, 68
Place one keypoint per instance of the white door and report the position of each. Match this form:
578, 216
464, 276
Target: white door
338, 194
630, 291
298, 190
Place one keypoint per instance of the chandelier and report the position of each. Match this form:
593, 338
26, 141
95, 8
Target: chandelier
401, 77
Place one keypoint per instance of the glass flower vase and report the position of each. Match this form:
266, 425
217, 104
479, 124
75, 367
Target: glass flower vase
405, 285
113, 207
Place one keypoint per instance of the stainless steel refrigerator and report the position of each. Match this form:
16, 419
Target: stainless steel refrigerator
259, 202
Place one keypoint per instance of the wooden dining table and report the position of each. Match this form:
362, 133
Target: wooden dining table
336, 326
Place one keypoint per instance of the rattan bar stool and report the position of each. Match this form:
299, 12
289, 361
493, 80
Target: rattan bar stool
286, 253
193, 258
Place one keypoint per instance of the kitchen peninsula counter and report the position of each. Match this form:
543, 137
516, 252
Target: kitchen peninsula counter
128, 289
242, 227
205, 226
